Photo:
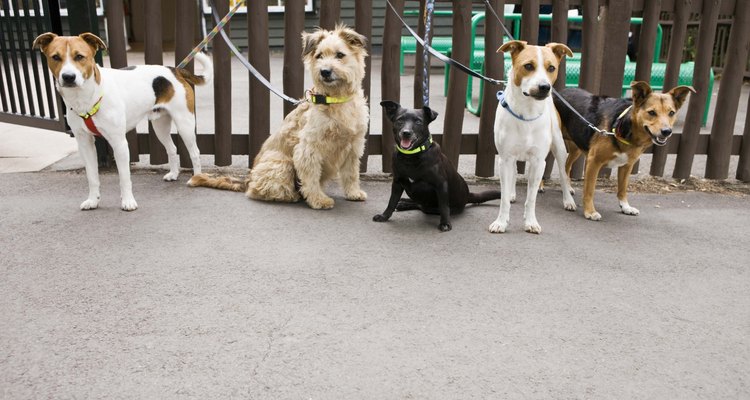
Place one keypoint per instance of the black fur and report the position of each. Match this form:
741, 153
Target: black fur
428, 177
596, 109
161, 85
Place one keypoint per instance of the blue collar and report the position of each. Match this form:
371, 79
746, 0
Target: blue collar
501, 98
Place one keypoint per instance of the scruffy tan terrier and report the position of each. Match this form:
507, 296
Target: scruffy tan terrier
322, 138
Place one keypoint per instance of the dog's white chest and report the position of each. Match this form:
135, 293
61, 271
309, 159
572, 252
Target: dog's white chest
619, 160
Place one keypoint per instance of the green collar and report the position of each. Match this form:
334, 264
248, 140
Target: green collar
415, 150
617, 125
316, 98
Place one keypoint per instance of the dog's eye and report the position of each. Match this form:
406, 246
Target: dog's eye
79, 57
652, 113
671, 113
56, 57
551, 68
529, 67
340, 55
319, 56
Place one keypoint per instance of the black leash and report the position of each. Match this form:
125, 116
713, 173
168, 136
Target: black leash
439, 55
246, 63
554, 91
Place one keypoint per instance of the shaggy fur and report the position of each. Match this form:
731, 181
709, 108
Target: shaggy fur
316, 142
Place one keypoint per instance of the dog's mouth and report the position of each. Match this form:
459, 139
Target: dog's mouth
406, 143
657, 140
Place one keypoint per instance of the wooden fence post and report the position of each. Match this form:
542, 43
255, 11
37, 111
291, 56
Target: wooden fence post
743, 167
530, 21
454, 108
689, 137
363, 25
559, 35
222, 94
419, 60
154, 55
185, 28
259, 107
589, 59
720, 141
330, 12
390, 87
672, 73
294, 69
494, 66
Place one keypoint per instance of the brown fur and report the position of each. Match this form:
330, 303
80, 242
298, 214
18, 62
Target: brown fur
602, 150
316, 143
188, 79
522, 55
57, 52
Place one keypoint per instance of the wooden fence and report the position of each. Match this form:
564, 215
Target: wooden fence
604, 22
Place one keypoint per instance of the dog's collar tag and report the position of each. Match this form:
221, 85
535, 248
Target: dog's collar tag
415, 150
87, 117
317, 98
501, 98
617, 124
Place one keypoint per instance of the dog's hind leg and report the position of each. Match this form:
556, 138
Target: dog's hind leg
162, 128
272, 178
558, 150
186, 128
407, 205
349, 174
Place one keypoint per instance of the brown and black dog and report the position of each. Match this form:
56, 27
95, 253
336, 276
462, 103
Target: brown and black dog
636, 123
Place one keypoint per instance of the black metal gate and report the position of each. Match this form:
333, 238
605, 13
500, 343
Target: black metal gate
27, 92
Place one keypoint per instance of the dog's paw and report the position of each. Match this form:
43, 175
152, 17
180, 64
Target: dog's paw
445, 227
129, 204
379, 218
90, 204
498, 227
512, 197
569, 205
628, 210
572, 192
594, 216
320, 203
532, 227
172, 176
358, 195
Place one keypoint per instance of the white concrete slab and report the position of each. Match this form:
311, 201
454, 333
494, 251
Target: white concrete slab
24, 149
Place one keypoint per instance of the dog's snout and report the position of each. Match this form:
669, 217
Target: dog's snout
69, 78
666, 131
325, 73
407, 134
544, 88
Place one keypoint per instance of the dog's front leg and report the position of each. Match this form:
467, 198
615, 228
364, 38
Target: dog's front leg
623, 178
88, 152
122, 158
309, 167
536, 170
396, 191
507, 171
349, 174
444, 206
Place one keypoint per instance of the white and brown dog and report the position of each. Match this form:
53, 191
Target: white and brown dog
109, 102
527, 127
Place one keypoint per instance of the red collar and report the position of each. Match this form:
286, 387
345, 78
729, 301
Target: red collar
89, 121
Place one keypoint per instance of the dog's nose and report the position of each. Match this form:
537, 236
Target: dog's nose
325, 73
406, 134
69, 78
544, 88
666, 132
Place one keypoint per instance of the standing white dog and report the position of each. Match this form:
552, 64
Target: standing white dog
527, 126
109, 102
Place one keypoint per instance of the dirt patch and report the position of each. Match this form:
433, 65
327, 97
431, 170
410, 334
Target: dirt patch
658, 185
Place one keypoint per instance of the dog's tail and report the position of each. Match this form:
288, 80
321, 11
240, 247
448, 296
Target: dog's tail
481, 197
223, 182
208, 71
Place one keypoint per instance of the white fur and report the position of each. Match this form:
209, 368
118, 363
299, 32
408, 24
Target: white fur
127, 98
529, 141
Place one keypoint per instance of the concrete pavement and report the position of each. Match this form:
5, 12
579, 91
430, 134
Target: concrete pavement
206, 294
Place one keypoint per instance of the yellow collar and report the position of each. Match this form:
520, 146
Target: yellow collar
617, 124
416, 150
94, 109
317, 98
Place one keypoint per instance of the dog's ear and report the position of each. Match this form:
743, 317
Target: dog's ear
350, 36
94, 41
679, 94
310, 41
391, 108
641, 90
560, 50
42, 41
514, 47
429, 114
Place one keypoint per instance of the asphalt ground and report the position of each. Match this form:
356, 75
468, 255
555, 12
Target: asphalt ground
205, 294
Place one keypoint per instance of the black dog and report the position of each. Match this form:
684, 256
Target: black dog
422, 170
